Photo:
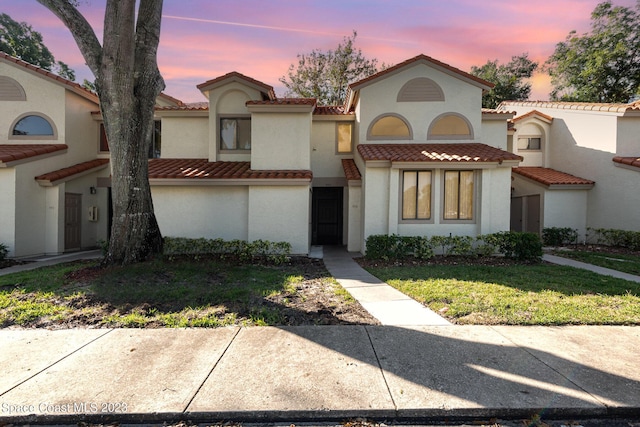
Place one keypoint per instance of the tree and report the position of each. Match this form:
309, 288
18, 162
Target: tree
19, 40
127, 82
326, 75
602, 65
509, 80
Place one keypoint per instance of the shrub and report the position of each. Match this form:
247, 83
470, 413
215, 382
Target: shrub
516, 245
558, 236
621, 238
4, 250
275, 252
386, 247
453, 245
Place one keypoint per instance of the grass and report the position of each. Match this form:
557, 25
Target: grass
540, 294
627, 263
157, 293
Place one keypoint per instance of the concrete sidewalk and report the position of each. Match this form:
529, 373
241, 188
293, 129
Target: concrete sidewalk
330, 373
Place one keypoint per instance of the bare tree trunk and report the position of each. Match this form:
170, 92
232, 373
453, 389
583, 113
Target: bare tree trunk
128, 82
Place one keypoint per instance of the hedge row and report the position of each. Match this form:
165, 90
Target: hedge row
559, 236
520, 246
275, 252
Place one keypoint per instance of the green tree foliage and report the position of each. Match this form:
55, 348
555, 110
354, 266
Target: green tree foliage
327, 75
19, 40
509, 79
602, 65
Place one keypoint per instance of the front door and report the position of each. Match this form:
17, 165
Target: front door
72, 221
326, 216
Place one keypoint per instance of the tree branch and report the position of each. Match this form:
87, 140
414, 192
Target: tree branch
80, 29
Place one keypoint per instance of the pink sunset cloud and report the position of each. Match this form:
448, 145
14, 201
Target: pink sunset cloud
202, 39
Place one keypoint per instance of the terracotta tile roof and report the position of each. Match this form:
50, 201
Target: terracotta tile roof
234, 75
201, 169
330, 110
419, 58
550, 177
13, 152
583, 106
533, 113
61, 80
170, 99
497, 112
195, 106
284, 101
76, 169
463, 152
351, 170
628, 161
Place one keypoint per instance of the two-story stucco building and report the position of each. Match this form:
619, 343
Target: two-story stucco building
410, 152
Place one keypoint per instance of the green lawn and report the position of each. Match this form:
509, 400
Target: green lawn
158, 293
540, 294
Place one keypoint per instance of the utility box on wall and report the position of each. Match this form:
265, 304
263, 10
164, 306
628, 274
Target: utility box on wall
93, 213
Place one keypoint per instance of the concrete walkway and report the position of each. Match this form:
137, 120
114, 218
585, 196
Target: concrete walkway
600, 270
385, 303
318, 373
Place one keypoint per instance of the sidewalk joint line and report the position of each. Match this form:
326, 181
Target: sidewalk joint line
56, 362
384, 377
215, 365
526, 350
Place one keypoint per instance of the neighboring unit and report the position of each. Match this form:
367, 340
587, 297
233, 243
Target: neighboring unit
580, 168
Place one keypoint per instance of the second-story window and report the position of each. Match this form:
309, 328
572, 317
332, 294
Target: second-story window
235, 133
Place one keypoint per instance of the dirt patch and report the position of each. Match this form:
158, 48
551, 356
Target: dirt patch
315, 300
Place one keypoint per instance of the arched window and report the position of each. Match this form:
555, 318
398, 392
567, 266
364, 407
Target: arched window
33, 126
389, 126
450, 126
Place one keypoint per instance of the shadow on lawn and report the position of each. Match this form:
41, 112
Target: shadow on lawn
204, 293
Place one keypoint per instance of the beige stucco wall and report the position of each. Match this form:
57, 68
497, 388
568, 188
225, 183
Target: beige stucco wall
380, 98
628, 143
281, 141
494, 133
353, 206
565, 208
325, 161
202, 211
280, 213
7, 208
185, 137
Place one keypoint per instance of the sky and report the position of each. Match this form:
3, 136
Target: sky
204, 39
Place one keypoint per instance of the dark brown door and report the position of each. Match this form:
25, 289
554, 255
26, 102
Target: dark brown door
326, 216
72, 221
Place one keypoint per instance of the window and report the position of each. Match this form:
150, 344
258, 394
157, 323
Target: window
32, 125
450, 126
528, 143
156, 143
389, 127
416, 195
458, 195
344, 137
235, 133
